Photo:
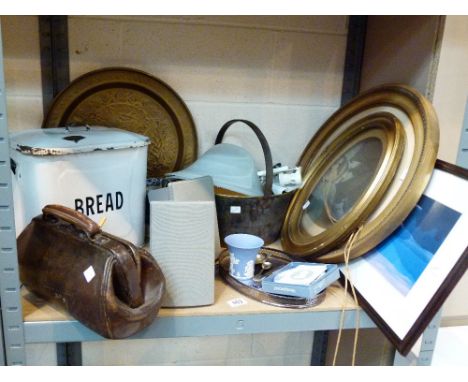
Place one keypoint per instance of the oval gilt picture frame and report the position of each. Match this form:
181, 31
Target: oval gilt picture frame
418, 120
343, 186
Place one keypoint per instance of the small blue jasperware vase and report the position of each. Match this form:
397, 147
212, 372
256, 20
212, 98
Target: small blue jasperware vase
243, 249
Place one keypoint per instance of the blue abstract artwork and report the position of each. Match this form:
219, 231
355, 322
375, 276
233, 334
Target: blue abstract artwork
402, 257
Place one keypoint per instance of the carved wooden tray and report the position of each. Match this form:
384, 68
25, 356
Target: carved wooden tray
132, 100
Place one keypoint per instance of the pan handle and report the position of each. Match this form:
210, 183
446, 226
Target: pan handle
266, 150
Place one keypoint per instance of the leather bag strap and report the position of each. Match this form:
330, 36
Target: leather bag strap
128, 270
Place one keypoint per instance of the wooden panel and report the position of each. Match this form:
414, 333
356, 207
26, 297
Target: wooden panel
36, 309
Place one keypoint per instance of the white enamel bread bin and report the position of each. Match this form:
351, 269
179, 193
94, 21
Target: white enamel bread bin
98, 171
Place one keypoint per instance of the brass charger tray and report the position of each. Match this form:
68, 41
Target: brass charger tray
254, 291
135, 101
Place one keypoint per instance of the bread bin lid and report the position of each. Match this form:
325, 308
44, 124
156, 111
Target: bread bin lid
74, 140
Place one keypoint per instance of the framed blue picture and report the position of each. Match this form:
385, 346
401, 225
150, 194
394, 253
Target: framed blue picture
403, 282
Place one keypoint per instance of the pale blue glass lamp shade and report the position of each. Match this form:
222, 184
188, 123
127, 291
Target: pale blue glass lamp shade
230, 166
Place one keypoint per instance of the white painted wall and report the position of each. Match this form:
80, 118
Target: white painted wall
401, 49
451, 87
450, 95
22, 72
284, 74
259, 349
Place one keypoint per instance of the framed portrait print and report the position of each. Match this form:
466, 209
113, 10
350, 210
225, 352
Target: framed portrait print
403, 282
343, 186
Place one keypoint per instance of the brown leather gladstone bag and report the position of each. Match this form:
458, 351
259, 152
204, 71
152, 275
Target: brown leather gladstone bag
105, 282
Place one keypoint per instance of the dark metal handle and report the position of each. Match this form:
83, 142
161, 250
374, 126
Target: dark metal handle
73, 217
266, 150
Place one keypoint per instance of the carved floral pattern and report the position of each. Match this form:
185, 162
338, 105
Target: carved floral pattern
134, 111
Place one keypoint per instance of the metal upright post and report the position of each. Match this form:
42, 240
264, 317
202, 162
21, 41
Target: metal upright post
357, 28
462, 158
55, 62
429, 338
426, 350
10, 299
2, 350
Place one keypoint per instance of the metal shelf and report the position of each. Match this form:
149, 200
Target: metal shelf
196, 326
48, 322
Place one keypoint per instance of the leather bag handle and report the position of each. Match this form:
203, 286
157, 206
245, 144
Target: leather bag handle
268, 191
73, 217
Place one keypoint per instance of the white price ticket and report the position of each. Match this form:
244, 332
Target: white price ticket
235, 209
89, 273
234, 303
